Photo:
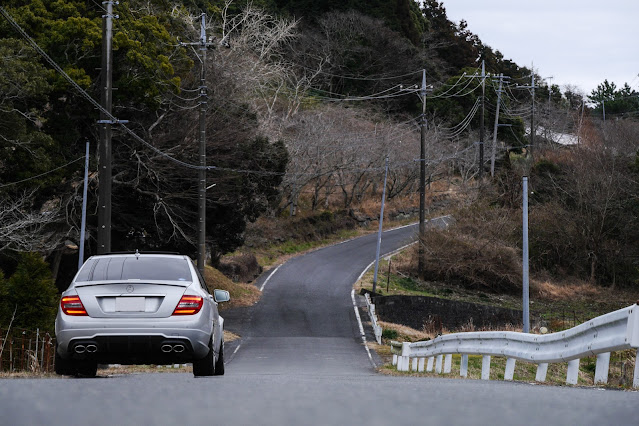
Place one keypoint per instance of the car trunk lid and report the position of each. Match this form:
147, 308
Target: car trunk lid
132, 298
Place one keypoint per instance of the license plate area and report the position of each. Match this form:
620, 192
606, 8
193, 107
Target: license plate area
129, 304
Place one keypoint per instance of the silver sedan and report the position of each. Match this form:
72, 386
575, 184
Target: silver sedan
139, 309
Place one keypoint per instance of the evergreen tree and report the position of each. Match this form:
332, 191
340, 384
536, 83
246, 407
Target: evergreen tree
31, 293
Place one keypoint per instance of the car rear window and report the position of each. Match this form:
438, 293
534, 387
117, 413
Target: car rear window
141, 268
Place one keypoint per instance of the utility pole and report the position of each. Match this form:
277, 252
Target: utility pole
422, 180
422, 174
83, 223
482, 117
201, 240
202, 45
603, 106
379, 232
532, 117
581, 119
104, 168
525, 272
481, 127
496, 127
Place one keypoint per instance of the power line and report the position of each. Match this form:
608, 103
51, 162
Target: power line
42, 174
393, 77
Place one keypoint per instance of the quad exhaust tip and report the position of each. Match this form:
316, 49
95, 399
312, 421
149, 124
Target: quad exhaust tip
172, 348
90, 348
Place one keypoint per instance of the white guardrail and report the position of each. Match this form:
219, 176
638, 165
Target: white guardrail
618, 330
371, 312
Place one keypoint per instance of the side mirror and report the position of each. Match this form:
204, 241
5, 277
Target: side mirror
221, 296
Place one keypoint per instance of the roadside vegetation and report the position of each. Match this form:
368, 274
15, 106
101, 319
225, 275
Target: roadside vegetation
305, 105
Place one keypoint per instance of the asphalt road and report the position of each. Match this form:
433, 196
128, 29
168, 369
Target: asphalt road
301, 361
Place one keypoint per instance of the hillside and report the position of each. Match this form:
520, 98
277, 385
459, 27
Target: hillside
304, 101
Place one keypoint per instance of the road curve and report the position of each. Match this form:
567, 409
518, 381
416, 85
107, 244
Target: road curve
306, 312
301, 362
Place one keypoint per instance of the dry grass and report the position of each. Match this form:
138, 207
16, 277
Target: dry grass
406, 333
575, 290
242, 294
144, 369
27, 375
230, 337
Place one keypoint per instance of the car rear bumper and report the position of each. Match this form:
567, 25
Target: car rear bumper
126, 341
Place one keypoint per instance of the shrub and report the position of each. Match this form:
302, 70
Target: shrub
471, 262
242, 268
479, 251
31, 292
389, 334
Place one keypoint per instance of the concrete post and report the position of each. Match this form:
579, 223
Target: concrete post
429, 365
573, 372
438, 364
463, 367
510, 369
601, 371
542, 370
448, 363
485, 367
420, 367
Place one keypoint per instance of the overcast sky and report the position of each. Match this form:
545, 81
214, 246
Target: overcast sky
579, 42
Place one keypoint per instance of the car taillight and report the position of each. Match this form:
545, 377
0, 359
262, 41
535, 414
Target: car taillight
189, 305
72, 305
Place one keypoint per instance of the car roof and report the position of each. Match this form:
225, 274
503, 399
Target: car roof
138, 254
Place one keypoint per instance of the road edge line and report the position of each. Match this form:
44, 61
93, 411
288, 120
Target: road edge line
269, 277
361, 328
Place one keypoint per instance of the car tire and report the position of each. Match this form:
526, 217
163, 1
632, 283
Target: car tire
219, 364
205, 366
62, 367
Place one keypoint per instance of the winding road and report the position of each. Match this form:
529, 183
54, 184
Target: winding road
301, 361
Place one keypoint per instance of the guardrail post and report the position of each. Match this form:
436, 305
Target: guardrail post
573, 372
601, 372
448, 363
420, 367
635, 382
542, 370
510, 369
485, 367
438, 364
463, 367
414, 366
403, 363
429, 365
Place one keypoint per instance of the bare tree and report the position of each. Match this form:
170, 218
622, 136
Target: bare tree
23, 229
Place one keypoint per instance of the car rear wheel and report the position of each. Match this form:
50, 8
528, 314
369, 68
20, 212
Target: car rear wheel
219, 365
206, 365
63, 367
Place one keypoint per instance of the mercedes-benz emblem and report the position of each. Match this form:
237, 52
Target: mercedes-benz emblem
129, 289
